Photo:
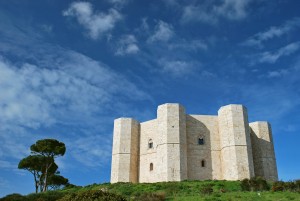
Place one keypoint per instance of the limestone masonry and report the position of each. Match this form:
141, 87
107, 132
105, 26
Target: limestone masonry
177, 146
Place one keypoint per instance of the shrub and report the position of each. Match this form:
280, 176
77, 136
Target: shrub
245, 185
151, 197
92, 195
13, 197
297, 182
254, 184
46, 196
206, 189
290, 185
278, 186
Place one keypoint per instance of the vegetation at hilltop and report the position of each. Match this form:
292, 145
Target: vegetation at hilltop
253, 189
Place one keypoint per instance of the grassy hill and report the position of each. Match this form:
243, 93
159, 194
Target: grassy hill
186, 190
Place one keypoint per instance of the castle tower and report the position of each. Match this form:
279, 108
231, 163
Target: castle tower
172, 147
236, 150
125, 153
263, 151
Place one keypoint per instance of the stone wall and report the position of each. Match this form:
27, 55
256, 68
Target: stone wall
172, 131
168, 148
206, 128
235, 142
148, 155
125, 152
263, 151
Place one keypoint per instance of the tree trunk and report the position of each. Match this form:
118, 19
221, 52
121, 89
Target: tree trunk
36, 183
46, 177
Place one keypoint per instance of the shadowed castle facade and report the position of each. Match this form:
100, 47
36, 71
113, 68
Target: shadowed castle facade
177, 146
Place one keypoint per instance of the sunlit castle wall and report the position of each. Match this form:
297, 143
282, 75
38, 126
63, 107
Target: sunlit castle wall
125, 152
236, 149
177, 146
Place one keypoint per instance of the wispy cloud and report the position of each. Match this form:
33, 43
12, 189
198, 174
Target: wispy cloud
269, 57
272, 32
193, 45
277, 73
211, 12
75, 88
118, 3
86, 150
163, 32
178, 68
4, 183
97, 23
127, 45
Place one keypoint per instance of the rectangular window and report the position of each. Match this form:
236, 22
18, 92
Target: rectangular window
201, 141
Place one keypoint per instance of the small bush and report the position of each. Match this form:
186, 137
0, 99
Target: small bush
245, 185
46, 196
254, 184
290, 185
92, 195
206, 189
278, 186
13, 197
297, 182
151, 197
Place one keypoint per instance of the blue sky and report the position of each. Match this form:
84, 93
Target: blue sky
69, 68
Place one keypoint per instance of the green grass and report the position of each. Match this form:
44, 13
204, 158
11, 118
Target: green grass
186, 191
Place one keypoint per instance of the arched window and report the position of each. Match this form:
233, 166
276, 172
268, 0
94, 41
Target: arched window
151, 166
201, 141
203, 163
150, 144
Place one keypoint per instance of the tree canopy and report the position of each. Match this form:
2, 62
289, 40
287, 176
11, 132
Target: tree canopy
48, 148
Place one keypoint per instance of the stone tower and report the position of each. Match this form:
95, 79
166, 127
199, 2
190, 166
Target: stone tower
125, 153
177, 146
236, 149
263, 150
172, 142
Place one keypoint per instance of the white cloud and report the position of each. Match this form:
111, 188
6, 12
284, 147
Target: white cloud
272, 32
193, 45
97, 23
59, 90
4, 183
232, 9
127, 45
74, 91
177, 68
278, 73
268, 57
163, 32
7, 165
47, 28
211, 12
118, 3
196, 13
91, 148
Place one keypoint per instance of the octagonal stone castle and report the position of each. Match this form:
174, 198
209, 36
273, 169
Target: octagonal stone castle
177, 146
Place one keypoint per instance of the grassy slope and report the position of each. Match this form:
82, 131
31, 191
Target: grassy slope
190, 190
186, 191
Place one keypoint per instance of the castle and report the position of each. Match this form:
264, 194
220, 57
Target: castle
177, 146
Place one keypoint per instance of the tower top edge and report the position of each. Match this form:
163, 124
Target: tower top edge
170, 104
232, 105
126, 119
260, 122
